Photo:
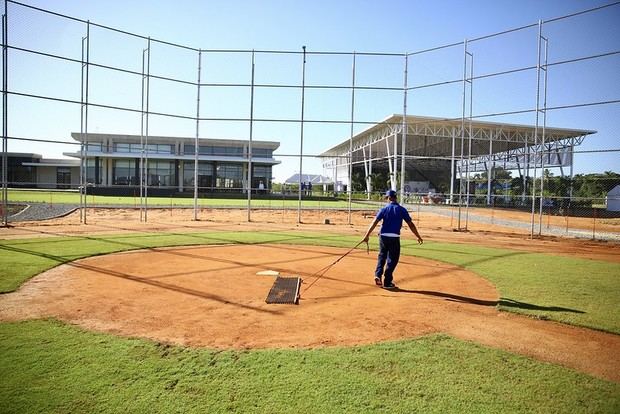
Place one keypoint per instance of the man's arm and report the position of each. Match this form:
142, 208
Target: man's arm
370, 229
414, 230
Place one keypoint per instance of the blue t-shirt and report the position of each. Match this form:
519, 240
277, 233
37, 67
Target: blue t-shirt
392, 215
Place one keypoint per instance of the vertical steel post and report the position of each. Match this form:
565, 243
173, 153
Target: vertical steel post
85, 137
196, 147
81, 184
452, 164
351, 138
301, 137
403, 142
250, 145
471, 105
5, 116
142, 146
490, 167
146, 129
536, 127
462, 132
544, 127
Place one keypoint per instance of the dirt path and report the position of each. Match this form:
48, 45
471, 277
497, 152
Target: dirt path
211, 296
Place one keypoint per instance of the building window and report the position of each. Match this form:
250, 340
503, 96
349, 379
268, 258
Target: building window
136, 148
205, 174
121, 147
262, 152
124, 172
262, 174
159, 148
92, 176
63, 177
229, 176
93, 146
160, 173
189, 149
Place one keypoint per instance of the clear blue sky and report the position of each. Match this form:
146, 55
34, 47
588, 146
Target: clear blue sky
344, 26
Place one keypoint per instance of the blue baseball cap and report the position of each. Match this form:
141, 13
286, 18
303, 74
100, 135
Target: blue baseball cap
390, 193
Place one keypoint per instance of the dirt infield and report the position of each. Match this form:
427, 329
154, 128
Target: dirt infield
211, 296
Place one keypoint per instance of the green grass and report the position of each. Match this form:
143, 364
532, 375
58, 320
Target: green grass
72, 197
54, 368
566, 289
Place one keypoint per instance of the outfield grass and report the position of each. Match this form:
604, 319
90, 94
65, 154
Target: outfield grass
566, 289
72, 197
50, 367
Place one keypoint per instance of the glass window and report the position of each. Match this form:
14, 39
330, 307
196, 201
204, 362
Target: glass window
92, 176
229, 176
121, 147
262, 174
205, 174
262, 152
93, 146
160, 148
124, 172
160, 173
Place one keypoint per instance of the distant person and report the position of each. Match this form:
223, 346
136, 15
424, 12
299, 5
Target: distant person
261, 187
392, 215
309, 188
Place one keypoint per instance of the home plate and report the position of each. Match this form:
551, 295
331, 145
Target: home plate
268, 273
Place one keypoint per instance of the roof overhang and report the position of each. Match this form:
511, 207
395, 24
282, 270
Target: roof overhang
439, 132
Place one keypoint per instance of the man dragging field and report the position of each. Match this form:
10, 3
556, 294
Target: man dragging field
392, 215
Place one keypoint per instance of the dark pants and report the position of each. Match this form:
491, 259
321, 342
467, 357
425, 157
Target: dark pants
389, 250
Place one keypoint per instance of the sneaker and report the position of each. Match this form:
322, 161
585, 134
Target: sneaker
378, 281
389, 286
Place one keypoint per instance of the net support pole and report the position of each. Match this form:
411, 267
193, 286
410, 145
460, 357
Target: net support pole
462, 133
249, 184
196, 147
536, 149
452, 164
84, 126
350, 189
142, 175
5, 116
146, 129
543, 138
301, 136
403, 144
469, 135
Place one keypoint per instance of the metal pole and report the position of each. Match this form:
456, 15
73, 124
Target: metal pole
462, 132
146, 129
404, 136
196, 139
452, 163
471, 105
85, 138
490, 168
142, 146
250, 146
5, 116
81, 185
351, 138
301, 138
536, 127
542, 158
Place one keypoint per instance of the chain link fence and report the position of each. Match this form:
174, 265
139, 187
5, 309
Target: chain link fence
95, 116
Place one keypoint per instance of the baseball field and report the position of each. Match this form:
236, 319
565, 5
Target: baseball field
169, 315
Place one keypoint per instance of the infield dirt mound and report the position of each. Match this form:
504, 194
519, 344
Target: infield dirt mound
211, 296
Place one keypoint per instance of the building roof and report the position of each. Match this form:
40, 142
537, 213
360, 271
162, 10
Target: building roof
313, 178
153, 139
438, 134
